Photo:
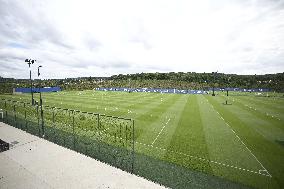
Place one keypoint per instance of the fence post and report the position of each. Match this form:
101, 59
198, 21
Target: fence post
52, 117
26, 123
73, 128
42, 121
38, 120
120, 134
133, 141
6, 120
99, 122
126, 129
99, 130
21, 122
15, 116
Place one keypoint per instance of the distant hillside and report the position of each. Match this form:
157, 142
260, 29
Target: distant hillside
180, 80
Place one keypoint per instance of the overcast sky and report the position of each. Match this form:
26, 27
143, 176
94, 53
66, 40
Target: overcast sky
100, 38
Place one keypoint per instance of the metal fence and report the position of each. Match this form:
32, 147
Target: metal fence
106, 138
111, 140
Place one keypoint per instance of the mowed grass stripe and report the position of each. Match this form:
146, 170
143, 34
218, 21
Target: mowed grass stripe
71, 103
241, 122
265, 110
267, 125
233, 160
264, 100
162, 130
268, 153
87, 92
189, 138
150, 122
126, 110
24, 98
99, 99
269, 128
232, 152
173, 116
266, 106
93, 105
123, 98
143, 105
277, 104
269, 99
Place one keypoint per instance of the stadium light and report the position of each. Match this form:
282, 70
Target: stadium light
30, 61
38, 74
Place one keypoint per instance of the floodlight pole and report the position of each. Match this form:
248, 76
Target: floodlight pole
40, 102
31, 83
214, 75
228, 84
29, 61
38, 74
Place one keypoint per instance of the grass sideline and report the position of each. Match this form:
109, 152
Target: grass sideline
242, 142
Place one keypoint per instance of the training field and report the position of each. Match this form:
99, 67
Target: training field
242, 141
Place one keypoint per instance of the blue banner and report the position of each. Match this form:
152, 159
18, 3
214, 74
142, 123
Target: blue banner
37, 90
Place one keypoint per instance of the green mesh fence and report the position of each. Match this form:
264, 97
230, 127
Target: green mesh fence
108, 139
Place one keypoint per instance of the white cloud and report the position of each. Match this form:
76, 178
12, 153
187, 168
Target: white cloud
97, 38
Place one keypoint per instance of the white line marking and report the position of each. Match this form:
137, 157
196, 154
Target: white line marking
259, 172
160, 131
269, 115
263, 168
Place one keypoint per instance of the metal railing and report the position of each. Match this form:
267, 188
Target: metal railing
107, 138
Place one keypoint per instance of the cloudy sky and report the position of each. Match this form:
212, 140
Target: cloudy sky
100, 38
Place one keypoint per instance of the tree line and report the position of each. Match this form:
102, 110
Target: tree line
178, 80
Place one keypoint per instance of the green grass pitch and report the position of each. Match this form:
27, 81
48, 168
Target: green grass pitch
242, 142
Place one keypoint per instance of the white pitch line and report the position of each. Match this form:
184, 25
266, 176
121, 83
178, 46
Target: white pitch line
264, 169
269, 115
200, 158
160, 132
206, 160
